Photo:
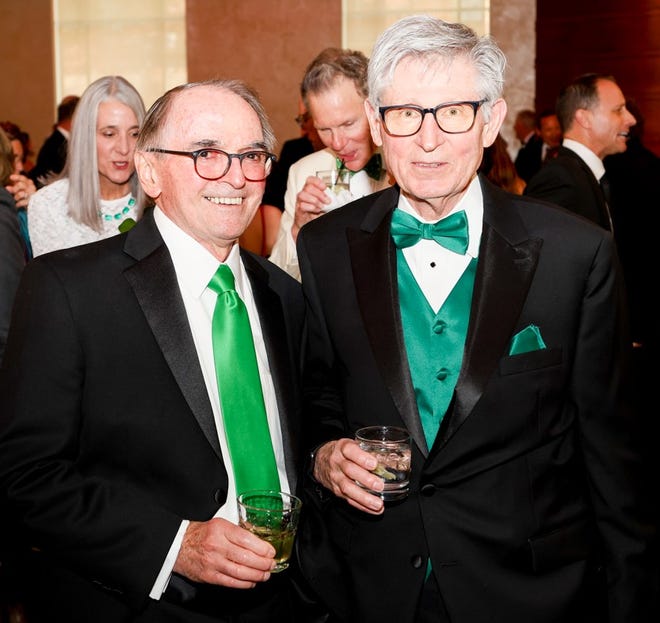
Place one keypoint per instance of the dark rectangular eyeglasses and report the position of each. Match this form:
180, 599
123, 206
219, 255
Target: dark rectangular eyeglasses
452, 117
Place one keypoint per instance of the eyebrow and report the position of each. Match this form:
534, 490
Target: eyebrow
213, 144
116, 127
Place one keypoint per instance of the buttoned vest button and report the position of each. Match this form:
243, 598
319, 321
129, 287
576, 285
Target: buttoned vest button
442, 373
417, 561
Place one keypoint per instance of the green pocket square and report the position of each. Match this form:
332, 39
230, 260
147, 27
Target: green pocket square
528, 339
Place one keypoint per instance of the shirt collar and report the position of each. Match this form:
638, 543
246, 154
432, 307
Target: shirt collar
194, 265
591, 159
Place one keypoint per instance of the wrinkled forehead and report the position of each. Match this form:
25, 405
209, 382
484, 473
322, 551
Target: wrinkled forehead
211, 115
432, 72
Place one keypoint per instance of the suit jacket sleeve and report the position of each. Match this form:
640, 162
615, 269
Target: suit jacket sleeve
12, 261
69, 465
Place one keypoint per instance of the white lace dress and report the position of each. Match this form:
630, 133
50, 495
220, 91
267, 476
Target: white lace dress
51, 227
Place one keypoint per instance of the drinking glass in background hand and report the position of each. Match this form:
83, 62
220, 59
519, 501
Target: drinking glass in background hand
338, 187
391, 448
273, 516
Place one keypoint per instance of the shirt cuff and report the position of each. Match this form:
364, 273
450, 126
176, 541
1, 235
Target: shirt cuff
163, 579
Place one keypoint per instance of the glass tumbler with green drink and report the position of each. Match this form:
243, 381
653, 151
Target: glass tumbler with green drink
273, 516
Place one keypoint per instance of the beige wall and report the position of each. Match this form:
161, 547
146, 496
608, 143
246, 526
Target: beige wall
226, 39
27, 90
513, 26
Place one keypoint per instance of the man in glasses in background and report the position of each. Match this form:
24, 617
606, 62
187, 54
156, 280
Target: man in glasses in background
119, 468
333, 89
292, 150
488, 325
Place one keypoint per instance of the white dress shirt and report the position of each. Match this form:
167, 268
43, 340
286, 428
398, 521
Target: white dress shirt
284, 252
435, 268
194, 267
593, 161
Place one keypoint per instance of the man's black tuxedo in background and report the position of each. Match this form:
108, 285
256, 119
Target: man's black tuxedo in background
101, 359
51, 158
633, 176
292, 151
527, 502
568, 182
528, 160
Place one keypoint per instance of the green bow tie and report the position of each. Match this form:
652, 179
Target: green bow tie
450, 232
373, 168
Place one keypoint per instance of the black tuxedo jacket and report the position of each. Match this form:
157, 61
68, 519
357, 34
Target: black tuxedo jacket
12, 261
567, 181
51, 158
527, 503
107, 437
528, 160
293, 150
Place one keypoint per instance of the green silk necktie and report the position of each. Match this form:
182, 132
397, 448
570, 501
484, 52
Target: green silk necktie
239, 386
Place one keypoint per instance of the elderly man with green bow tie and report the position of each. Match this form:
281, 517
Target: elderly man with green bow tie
488, 325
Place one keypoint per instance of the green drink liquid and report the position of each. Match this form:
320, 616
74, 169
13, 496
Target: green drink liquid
281, 540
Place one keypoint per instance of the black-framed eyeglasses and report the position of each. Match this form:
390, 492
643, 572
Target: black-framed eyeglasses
452, 117
212, 164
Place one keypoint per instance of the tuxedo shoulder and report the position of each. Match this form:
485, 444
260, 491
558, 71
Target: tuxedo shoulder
101, 257
545, 216
335, 223
275, 273
277, 279
567, 163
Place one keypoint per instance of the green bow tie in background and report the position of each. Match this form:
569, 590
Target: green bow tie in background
373, 168
450, 232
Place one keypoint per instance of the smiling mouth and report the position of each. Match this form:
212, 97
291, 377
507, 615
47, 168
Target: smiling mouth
225, 200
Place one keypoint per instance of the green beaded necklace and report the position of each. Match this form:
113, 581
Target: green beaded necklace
118, 216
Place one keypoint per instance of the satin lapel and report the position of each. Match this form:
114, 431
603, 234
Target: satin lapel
155, 285
271, 317
373, 260
507, 261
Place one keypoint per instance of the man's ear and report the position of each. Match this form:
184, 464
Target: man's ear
147, 173
492, 127
375, 124
582, 118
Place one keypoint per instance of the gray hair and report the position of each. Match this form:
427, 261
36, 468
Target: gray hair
82, 168
150, 133
425, 37
330, 64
